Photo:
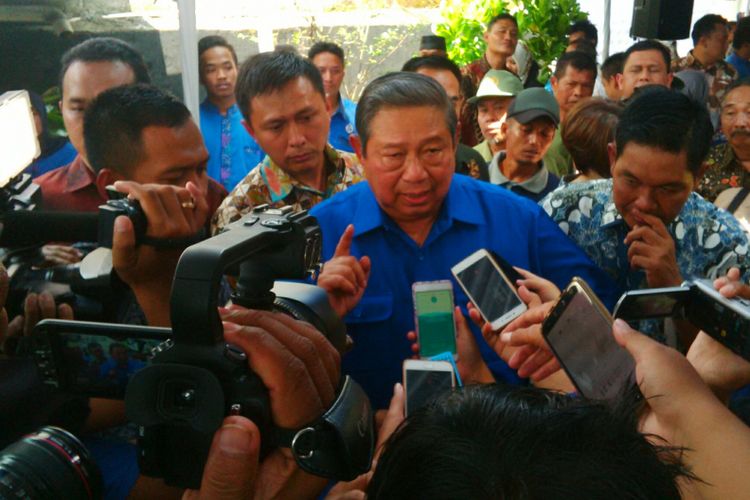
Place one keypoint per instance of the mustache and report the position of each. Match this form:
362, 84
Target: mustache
740, 132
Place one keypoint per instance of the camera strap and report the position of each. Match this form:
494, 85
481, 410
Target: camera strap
341, 443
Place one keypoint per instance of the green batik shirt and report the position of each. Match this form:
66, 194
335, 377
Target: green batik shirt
723, 171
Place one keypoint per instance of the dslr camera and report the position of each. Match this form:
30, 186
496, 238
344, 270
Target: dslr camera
179, 385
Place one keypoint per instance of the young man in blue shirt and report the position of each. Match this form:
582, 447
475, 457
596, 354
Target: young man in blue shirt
232, 151
329, 59
414, 219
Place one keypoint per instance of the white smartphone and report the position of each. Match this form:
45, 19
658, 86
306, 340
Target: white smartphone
489, 289
434, 317
425, 381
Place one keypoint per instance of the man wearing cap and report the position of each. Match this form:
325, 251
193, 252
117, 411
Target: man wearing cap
433, 45
532, 119
494, 96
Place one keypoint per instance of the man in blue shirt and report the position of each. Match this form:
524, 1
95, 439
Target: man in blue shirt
232, 151
413, 220
740, 56
329, 59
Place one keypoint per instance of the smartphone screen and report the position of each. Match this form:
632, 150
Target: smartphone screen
434, 315
488, 290
424, 385
647, 304
581, 337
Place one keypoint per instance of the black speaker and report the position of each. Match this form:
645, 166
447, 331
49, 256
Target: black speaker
661, 19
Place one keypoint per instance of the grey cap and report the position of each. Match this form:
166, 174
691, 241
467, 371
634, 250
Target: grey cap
497, 83
534, 103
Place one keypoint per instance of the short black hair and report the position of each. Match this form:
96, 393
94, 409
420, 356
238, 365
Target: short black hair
589, 30
401, 90
500, 17
433, 62
705, 26
211, 41
645, 45
741, 33
666, 120
101, 49
582, 45
493, 441
578, 60
268, 72
320, 47
114, 122
742, 82
613, 65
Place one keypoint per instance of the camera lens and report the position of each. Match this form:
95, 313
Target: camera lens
48, 464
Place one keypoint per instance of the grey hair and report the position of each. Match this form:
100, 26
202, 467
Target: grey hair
401, 90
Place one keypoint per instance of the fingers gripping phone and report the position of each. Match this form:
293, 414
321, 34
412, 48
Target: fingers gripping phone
424, 381
489, 288
578, 329
434, 317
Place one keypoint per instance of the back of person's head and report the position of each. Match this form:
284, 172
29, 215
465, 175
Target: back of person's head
587, 28
578, 60
644, 45
106, 49
666, 120
500, 442
401, 90
741, 33
612, 65
587, 130
435, 63
584, 46
269, 72
211, 41
503, 16
114, 122
330, 47
705, 26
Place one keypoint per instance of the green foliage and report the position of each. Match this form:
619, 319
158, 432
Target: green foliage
55, 124
542, 25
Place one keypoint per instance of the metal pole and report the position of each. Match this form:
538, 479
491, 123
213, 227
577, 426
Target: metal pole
189, 56
607, 16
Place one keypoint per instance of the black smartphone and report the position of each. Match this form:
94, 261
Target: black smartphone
425, 381
578, 329
92, 359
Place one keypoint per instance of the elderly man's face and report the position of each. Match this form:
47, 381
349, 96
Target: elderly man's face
735, 117
409, 162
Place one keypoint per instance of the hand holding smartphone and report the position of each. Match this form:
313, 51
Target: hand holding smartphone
434, 317
424, 381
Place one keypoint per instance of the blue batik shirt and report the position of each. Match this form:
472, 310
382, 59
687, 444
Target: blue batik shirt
342, 126
474, 215
232, 150
708, 240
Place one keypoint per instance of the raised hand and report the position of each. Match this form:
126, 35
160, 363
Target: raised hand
344, 277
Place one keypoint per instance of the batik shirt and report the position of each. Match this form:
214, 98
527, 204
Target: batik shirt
718, 77
708, 240
269, 184
723, 171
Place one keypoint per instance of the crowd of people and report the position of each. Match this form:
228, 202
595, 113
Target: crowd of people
630, 174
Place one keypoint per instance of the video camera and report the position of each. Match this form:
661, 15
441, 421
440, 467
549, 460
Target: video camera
726, 320
193, 379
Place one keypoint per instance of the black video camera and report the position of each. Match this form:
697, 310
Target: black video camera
726, 320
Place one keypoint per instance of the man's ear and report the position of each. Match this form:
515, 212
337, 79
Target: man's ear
486, 37
618, 80
697, 176
612, 153
249, 128
670, 77
104, 178
553, 82
356, 143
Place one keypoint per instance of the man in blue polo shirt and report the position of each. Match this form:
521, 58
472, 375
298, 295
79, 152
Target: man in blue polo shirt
232, 151
329, 59
413, 219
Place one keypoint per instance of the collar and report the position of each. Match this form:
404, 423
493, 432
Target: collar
280, 184
693, 62
210, 108
79, 175
534, 184
458, 205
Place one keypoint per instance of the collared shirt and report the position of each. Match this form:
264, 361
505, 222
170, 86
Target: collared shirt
70, 188
483, 148
473, 215
741, 65
60, 157
708, 241
535, 187
342, 125
718, 76
269, 184
557, 159
232, 152
723, 171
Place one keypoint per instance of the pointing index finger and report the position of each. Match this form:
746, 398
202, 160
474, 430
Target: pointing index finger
345, 243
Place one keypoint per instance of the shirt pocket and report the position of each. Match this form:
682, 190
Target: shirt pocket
372, 308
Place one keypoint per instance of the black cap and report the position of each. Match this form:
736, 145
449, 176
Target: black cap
432, 42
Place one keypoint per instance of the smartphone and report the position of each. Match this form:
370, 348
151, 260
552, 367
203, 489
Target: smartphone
489, 289
434, 317
653, 303
578, 329
92, 359
425, 381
